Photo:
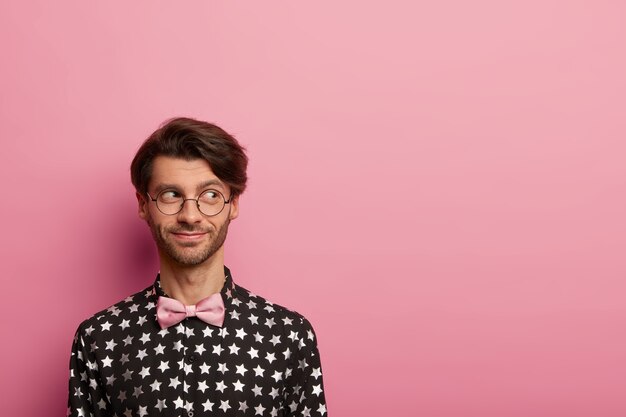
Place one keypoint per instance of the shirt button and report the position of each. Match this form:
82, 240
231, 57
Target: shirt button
192, 358
190, 413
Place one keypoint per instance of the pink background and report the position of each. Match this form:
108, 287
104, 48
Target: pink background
439, 187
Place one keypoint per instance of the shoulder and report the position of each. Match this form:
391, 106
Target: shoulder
103, 322
268, 315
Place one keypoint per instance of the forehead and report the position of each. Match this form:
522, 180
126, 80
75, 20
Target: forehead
182, 173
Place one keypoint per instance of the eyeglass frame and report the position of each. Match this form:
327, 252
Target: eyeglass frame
197, 200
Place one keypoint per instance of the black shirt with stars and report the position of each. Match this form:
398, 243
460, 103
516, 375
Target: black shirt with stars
263, 361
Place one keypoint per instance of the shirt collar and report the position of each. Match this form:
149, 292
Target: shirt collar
227, 291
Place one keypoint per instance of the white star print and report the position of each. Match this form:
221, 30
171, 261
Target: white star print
224, 405
178, 402
258, 371
241, 369
160, 405
287, 353
258, 410
164, 366
174, 382
208, 405
253, 353
102, 405
275, 340
202, 386
138, 391
238, 386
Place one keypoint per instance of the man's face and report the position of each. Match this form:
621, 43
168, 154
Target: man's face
188, 238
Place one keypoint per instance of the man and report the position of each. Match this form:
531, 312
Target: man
194, 343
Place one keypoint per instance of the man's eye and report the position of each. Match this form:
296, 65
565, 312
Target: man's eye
169, 196
210, 196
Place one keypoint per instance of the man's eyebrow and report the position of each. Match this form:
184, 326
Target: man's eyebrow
209, 183
199, 187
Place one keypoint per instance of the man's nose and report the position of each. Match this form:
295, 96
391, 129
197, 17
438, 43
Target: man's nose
190, 213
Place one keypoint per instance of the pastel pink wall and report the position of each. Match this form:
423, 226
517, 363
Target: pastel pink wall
438, 186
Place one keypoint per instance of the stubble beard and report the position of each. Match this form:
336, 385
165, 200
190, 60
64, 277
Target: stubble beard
191, 253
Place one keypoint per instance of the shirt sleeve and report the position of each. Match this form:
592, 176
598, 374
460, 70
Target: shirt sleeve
86, 396
304, 388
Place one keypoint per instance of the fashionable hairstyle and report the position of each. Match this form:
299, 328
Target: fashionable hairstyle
192, 139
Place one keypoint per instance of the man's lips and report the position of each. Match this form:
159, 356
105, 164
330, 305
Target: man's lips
189, 235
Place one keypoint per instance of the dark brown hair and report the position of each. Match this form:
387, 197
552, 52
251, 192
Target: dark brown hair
192, 139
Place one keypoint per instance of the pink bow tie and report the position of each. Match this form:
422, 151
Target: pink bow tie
209, 310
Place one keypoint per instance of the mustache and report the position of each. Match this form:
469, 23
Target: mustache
187, 228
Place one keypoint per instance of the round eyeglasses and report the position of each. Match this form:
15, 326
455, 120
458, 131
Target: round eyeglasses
209, 202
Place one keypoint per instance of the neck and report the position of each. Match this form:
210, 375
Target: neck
190, 284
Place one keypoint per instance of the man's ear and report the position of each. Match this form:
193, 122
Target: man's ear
142, 206
234, 208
